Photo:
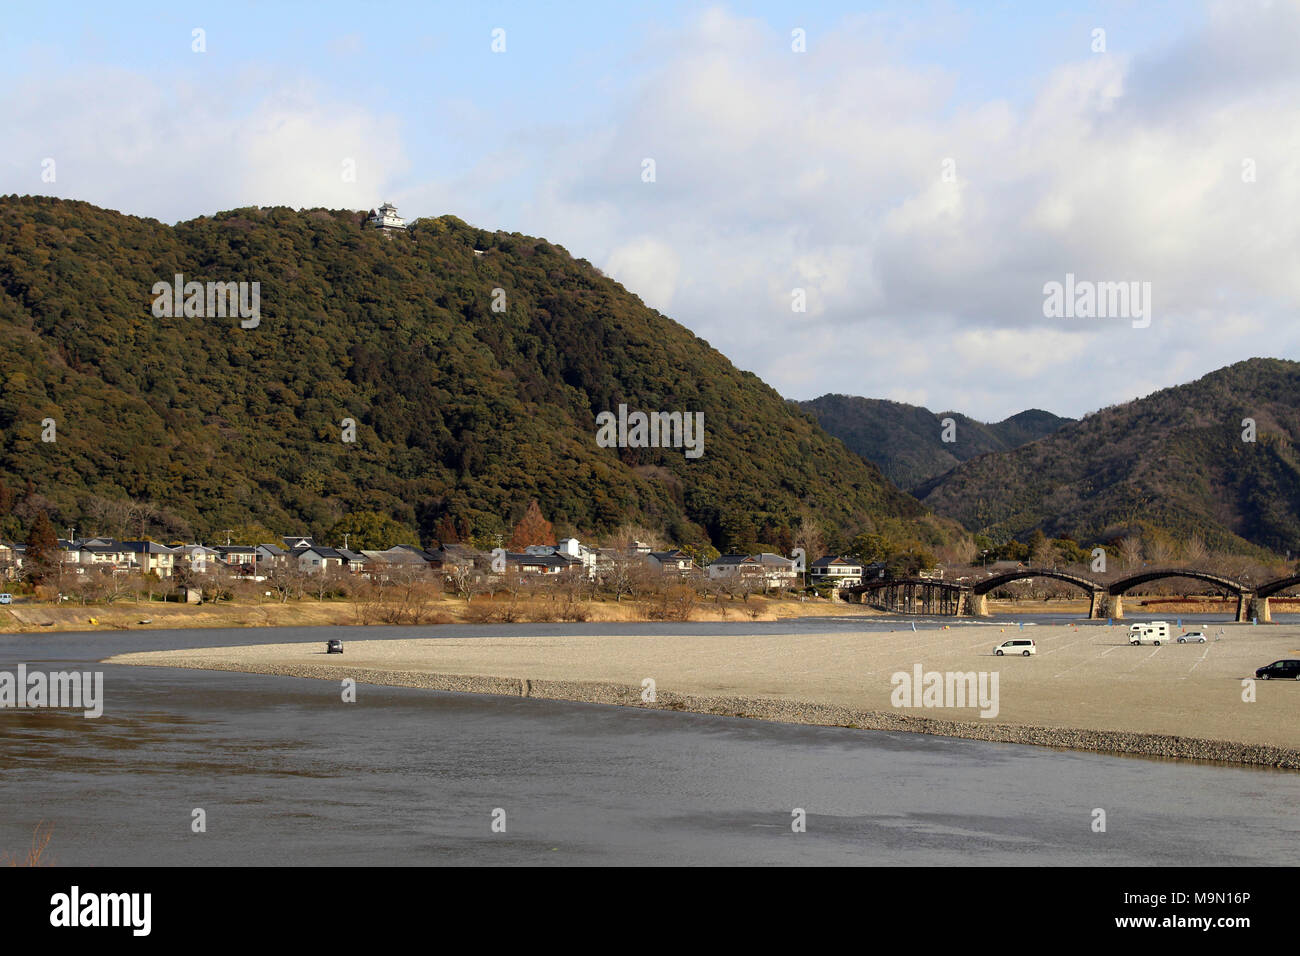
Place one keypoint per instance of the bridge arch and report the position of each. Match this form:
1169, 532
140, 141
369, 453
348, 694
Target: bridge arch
1245, 593
995, 582
1278, 586
981, 589
1156, 574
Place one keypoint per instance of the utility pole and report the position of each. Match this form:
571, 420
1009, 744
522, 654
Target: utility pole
346, 535
227, 533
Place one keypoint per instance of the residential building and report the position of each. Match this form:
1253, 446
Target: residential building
271, 556
839, 572
317, 558
671, 562
149, 557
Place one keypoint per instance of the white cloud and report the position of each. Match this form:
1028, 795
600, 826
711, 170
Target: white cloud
823, 170
121, 141
649, 267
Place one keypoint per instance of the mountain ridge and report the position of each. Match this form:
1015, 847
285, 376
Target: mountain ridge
462, 412
907, 441
1174, 460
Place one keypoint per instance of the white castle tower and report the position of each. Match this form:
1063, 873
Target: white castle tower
386, 218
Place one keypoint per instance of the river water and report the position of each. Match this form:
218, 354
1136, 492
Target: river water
287, 774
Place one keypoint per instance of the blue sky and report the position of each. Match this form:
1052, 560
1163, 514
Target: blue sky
776, 170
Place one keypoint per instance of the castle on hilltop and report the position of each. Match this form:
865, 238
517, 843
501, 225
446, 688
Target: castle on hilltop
386, 219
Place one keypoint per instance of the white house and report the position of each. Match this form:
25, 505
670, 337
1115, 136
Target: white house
839, 572
766, 569
149, 556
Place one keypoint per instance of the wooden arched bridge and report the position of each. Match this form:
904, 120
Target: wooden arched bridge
1106, 598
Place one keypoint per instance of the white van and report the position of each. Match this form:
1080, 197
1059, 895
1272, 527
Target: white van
1020, 646
1152, 632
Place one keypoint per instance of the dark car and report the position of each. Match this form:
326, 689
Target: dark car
334, 646
1286, 669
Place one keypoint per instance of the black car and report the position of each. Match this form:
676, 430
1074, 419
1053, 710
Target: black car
1286, 669
334, 646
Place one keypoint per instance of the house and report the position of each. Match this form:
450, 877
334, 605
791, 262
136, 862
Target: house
837, 571
527, 563
69, 555
294, 543
149, 557
766, 570
778, 570
354, 562
448, 557
414, 549
271, 556
240, 558
108, 556
875, 571
200, 558
398, 556
671, 562
734, 565
317, 558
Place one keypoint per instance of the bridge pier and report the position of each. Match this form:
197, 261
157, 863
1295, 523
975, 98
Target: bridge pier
1260, 610
1094, 605
979, 605
1244, 600
1117, 606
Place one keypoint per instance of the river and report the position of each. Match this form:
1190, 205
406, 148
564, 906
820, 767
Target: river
287, 774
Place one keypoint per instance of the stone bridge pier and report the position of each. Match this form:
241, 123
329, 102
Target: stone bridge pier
1095, 601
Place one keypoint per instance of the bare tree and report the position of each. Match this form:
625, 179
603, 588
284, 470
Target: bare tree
625, 575
809, 536
629, 533
1130, 552
285, 580
1194, 551
466, 581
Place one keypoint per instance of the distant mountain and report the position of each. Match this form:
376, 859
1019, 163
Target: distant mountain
1175, 460
470, 366
906, 441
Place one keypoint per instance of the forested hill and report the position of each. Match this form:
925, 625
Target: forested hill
1175, 460
906, 441
463, 414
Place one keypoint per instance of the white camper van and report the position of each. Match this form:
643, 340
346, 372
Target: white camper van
1150, 632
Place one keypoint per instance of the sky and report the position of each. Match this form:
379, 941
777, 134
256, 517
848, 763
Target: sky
915, 175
